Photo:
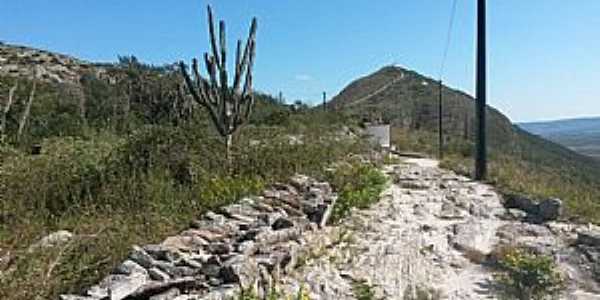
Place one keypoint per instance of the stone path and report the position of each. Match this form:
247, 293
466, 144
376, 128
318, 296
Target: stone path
415, 243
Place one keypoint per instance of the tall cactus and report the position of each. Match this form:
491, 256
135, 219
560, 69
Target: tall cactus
228, 107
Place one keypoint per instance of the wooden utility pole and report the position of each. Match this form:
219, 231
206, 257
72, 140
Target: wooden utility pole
480, 103
440, 127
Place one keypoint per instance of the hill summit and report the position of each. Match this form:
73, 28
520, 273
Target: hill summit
409, 100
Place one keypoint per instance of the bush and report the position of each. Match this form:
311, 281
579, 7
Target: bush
528, 276
358, 185
60, 179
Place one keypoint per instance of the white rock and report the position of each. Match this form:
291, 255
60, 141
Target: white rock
55, 239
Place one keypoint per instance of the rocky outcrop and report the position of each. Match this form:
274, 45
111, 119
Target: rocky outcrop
25, 62
536, 211
242, 246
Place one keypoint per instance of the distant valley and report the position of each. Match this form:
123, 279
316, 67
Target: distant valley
581, 135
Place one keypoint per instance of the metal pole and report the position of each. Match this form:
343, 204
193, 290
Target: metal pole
480, 160
324, 101
440, 127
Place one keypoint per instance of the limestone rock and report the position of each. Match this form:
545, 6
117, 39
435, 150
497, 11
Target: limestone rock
162, 252
589, 238
282, 223
550, 209
450, 211
141, 257
241, 270
168, 295
117, 287
55, 239
158, 275
129, 267
520, 202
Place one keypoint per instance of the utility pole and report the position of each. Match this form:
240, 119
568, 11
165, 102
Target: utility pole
440, 127
280, 98
480, 103
324, 101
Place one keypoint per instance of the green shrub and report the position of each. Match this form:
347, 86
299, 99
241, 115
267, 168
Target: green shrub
63, 177
219, 191
528, 276
362, 290
358, 185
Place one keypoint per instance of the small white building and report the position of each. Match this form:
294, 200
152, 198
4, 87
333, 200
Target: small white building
379, 134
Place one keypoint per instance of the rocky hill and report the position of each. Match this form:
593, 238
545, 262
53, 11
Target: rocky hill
409, 100
24, 62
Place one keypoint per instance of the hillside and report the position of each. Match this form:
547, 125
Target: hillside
519, 161
409, 100
581, 135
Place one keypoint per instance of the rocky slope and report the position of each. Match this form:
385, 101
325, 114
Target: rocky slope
26, 62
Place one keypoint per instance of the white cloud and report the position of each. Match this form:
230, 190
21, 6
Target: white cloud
304, 77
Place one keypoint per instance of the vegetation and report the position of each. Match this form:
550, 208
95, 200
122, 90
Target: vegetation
526, 275
513, 175
359, 185
363, 291
141, 146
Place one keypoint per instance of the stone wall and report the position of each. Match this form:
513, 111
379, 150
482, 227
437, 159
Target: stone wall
243, 246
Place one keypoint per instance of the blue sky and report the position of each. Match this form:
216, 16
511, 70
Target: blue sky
544, 55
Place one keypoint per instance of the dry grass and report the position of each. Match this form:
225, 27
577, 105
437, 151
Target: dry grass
139, 195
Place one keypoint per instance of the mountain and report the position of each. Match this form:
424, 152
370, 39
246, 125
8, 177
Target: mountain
409, 100
581, 135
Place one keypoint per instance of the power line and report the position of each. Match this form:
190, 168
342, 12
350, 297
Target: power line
441, 85
448, 37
